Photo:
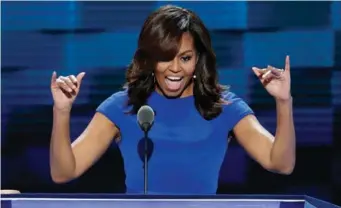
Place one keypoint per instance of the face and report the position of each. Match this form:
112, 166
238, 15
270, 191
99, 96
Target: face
175, 78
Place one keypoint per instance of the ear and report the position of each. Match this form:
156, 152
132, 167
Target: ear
198, 55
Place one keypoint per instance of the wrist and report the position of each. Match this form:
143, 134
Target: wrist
64, 110
287, 100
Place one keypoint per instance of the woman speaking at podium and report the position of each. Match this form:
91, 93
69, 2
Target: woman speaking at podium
174, 72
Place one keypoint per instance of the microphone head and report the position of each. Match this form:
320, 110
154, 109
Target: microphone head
145, 117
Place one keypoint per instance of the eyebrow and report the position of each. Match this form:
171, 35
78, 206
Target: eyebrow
182, 53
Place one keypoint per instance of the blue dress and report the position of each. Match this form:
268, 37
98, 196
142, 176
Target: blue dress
188, 150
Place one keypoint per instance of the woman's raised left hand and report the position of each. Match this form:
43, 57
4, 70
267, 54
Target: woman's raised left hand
275, 80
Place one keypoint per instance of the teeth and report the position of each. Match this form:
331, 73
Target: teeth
174, 78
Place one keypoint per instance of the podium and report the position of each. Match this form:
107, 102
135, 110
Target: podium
159, 201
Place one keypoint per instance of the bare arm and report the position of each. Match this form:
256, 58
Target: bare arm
274, 153
68, 161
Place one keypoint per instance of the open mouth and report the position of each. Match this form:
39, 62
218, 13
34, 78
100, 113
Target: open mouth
174, 82
174, 79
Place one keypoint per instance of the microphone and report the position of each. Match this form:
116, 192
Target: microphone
145, 119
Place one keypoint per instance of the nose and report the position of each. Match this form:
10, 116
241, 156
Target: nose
175, 66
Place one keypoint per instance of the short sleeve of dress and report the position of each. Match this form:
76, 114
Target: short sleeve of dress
236, 109
113, 107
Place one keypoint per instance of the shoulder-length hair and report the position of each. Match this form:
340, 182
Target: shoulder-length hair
159, 40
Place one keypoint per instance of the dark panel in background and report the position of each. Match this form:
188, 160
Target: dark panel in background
337, 155
228, 46
286, 15
33, 50
337, 49
113, 16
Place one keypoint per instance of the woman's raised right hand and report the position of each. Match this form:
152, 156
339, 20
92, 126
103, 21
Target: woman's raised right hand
65, 89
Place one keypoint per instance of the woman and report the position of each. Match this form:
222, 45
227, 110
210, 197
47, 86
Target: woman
173, 71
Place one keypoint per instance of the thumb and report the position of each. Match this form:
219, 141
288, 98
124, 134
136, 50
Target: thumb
257, 71
80, 77
53, 78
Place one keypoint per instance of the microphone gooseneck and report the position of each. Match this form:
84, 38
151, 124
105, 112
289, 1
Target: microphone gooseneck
145, 119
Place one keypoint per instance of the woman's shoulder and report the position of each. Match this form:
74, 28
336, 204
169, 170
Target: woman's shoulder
235, 108
118, 97
117, 100
233, 101
229, 96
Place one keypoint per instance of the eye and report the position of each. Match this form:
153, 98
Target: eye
186, 58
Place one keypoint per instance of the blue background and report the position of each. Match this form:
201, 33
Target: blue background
100, 38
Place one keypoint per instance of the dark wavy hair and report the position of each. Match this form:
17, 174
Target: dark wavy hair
159, 40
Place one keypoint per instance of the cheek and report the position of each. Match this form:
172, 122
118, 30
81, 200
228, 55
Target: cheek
161, 68
189, 67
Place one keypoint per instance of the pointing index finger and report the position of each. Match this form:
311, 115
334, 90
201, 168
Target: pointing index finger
287, 63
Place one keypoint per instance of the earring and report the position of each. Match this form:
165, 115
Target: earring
153, 77
194, 76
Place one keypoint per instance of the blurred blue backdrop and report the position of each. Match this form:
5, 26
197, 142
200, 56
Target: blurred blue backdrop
100, 38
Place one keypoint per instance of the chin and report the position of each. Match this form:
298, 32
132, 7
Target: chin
172, 94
